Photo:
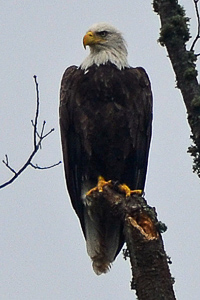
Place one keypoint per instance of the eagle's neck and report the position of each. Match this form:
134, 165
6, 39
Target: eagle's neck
103, 56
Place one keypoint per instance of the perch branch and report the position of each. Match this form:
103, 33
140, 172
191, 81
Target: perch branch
151, 277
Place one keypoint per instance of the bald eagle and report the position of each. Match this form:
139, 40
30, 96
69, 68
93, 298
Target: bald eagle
105, 122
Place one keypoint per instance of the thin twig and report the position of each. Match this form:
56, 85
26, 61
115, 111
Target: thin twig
43, 125
37, 143
6, 163
37, 110
50, 131
198, 27
34, 128
44, 168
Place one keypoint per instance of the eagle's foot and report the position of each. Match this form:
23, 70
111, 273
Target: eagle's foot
99, 188
102, 183
125, 189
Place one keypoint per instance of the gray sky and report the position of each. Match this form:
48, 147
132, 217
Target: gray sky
42, 250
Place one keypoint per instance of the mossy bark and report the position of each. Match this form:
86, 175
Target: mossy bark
174, 34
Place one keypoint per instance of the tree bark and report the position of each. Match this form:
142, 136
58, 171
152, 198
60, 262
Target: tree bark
151, 277
174, 34
150, 272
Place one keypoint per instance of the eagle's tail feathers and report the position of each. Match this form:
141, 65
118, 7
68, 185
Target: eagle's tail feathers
100, 264
102, 243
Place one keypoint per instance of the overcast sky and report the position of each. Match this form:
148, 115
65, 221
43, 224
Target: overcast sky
42, 250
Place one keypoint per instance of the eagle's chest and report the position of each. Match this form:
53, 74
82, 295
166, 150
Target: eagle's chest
107, 117
102, 127
101, 111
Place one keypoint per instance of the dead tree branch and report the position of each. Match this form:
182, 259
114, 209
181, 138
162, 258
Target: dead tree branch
151, 277
37, 144
174, 34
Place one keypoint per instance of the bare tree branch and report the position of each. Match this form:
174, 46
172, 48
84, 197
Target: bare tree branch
198, 25
44, 168
37, 144
6, 162
35, 132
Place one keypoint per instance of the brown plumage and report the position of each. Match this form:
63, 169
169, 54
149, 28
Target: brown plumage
105, 122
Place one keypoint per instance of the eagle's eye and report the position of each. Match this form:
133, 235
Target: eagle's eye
103, 33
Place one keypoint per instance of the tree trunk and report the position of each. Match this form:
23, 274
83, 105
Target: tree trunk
174, 34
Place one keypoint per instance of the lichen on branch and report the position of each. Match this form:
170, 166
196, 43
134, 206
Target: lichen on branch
174, 35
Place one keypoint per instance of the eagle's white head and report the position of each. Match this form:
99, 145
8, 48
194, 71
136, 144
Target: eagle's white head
106, 45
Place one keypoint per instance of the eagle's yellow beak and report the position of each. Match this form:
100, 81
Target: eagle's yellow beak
89, 39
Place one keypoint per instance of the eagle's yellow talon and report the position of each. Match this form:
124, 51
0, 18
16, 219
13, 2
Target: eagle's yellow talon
138, 192
91, 191
124, 188
101, 183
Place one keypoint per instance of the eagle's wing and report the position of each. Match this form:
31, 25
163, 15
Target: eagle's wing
70, 142
140, 124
